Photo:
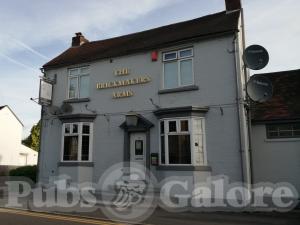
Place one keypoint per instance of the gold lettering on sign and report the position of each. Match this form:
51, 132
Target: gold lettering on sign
122, 94
121, 83
122, 72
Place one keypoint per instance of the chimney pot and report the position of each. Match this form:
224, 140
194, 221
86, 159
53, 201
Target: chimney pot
233, 5
78, 40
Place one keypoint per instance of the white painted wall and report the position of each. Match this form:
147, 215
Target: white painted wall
12, 152
275, 160
215, 75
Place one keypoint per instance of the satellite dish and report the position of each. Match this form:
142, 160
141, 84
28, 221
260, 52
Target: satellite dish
259, 88
66, 108
54, 110
256, 57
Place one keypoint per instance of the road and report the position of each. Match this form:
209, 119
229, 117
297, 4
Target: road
20, 217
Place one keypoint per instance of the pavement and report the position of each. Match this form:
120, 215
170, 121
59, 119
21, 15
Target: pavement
42, 216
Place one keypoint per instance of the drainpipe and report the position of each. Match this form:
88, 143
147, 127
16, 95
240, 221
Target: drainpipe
246, 77
245, 162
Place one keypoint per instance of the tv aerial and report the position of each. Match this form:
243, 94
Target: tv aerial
255, 57
259, 88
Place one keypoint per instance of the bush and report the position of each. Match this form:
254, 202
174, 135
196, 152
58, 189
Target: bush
25, 171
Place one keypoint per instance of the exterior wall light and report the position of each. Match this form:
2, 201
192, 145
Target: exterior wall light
131, 120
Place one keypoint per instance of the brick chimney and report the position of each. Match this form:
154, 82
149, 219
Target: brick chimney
233, 5
78, 40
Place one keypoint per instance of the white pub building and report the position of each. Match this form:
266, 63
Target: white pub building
169, 98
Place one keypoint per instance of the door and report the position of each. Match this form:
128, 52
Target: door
138, 155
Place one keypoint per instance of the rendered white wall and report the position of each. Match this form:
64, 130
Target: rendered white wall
275, 160
10, 141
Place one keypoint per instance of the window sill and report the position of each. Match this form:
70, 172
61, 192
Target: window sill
283, 140
183, 168
74, 164
179, 89
77, 100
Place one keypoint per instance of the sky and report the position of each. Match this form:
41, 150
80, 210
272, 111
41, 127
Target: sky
34, 31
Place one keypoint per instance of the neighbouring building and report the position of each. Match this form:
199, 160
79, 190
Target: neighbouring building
175, 93
276, 131
12, 152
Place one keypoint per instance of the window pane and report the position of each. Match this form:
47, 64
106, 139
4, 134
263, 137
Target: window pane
286, 133
85, 148
73, 87
74, 72
296, 126
273, 134
272, 128
171, 75
179, 149
67, 128
162, 145
84, 70
139, 147
170, 56
186, 72
297, 133
184, 125
285, 127
86, 129
84, 86
71, 148
185, 53
75, 128
162, 127
172, 126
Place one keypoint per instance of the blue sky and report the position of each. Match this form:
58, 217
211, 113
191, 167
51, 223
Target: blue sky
34, 31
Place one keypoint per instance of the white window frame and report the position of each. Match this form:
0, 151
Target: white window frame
78, 76
293, 130
178, 60
80, 134
179, 132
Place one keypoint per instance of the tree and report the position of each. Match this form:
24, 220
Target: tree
33, 140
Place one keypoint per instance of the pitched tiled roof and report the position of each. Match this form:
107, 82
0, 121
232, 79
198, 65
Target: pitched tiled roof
1, 107
285, 103
203, 27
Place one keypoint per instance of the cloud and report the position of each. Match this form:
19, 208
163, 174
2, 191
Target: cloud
27, 47
32, 27
41, 22
274, 25
18, 63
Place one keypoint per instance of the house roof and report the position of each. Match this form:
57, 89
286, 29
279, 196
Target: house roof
285, 103
2, 107
203, 27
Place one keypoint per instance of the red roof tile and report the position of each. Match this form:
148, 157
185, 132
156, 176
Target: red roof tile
285, 103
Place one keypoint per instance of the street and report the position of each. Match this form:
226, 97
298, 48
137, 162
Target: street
21, 217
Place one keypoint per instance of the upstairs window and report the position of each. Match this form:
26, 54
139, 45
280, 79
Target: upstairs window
178, 68
79, 83
284, 130
77, 141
